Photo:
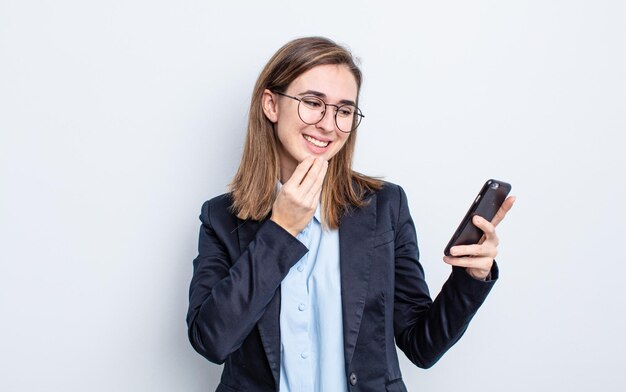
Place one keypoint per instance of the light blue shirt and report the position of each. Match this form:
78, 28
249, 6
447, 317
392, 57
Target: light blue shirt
311, 325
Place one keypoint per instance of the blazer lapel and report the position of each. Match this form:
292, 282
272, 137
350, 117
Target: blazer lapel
356, 233
269, 323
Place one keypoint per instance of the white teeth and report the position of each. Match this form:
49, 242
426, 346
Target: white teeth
315, 142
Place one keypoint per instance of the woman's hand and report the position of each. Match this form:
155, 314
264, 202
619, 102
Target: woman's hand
297, 200
478, 258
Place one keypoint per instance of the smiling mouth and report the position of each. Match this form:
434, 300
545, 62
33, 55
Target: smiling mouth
315, 142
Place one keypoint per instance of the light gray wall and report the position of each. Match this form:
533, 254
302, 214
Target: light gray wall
119, 118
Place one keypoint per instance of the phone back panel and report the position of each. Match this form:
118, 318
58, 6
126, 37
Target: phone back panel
486, 204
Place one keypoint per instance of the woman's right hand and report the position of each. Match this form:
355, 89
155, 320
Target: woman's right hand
297, 200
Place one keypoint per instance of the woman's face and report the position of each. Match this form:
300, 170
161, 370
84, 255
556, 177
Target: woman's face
334, 84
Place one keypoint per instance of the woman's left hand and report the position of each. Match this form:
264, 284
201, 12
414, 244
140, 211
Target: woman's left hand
478, 258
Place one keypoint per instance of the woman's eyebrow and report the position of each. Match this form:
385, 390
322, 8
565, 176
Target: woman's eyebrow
323, 96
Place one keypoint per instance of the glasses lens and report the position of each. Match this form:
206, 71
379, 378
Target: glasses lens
311, 110
348, 117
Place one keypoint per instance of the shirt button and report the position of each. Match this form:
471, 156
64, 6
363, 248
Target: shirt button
301, 307
304, 355
300, 267
352, 379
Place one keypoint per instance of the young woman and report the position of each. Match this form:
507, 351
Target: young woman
307, 274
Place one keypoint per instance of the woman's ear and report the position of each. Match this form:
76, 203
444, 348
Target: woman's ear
270, 105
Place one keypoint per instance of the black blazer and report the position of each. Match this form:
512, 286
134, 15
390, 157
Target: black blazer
234, 296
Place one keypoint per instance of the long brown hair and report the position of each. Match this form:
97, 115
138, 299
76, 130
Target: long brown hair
254, 185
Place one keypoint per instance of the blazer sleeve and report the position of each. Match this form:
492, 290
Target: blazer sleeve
227, 297
426, 329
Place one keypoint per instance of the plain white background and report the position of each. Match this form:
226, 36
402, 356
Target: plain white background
119, 118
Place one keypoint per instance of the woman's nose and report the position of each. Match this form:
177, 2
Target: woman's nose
327, 123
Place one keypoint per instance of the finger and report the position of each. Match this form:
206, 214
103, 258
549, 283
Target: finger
316, 189
476, 250
506, 206
312, 197
310, 178
315, 199
487, 227
469, 262
301, 171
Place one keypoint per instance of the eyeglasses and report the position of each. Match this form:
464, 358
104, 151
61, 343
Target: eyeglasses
312, 109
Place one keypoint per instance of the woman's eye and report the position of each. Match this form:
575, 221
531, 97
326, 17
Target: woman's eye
313, 103
345, 112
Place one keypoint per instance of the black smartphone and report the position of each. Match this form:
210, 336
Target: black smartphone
486, 204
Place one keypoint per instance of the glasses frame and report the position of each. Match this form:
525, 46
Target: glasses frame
357, 112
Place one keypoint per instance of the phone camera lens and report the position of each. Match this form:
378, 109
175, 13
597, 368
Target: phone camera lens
494, 185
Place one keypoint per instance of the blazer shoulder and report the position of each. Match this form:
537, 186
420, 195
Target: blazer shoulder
222, 202
391, 204
217, 211
391, 193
